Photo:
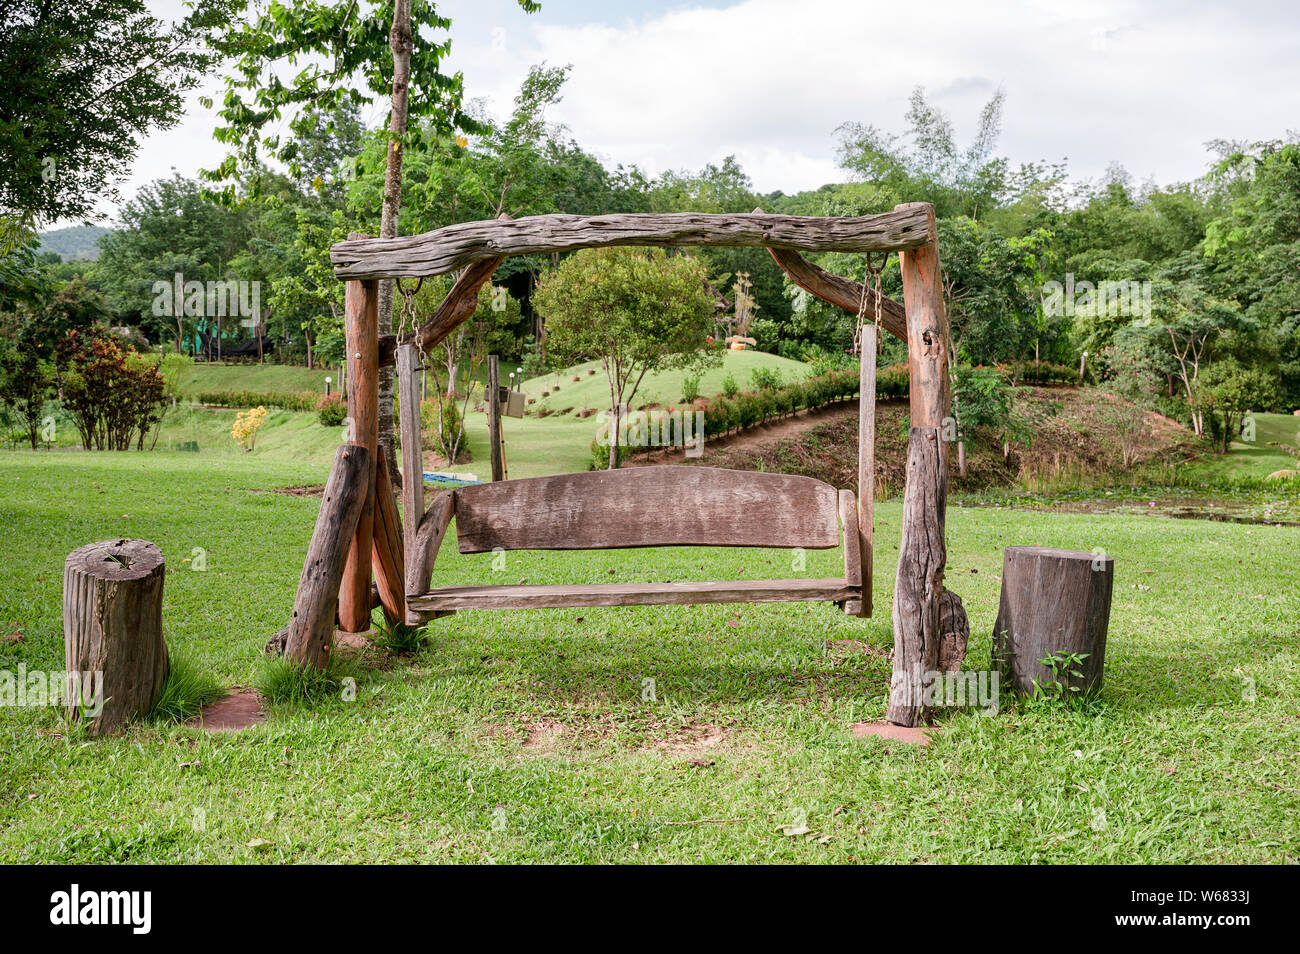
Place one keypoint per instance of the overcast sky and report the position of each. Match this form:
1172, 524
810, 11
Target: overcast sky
678, 84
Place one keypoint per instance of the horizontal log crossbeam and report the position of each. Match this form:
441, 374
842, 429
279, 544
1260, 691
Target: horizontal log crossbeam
457, 246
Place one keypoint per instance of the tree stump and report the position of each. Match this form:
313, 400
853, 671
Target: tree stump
112, 631
1053, 601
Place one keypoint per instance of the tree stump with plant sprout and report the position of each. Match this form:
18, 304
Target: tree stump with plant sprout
112, 631
1055, 606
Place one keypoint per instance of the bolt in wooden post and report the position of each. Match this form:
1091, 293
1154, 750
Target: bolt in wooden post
361, 318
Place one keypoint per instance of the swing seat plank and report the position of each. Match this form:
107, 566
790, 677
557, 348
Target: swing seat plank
450, 598
662, 506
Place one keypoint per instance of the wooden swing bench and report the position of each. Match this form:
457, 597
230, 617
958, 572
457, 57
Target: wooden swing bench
663, 506
360, 537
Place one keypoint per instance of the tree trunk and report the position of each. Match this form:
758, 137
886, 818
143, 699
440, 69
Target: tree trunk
112, 627
918, 588
401, 43
311, 629
1053, 601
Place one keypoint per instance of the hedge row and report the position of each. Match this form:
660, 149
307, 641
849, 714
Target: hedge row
289, 400
1044, 373
748, 408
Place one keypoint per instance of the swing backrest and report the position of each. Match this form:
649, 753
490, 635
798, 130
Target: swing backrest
648, 507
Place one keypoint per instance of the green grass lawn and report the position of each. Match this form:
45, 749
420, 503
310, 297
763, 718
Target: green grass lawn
592, 390
250, 376
529, 736
1276, 438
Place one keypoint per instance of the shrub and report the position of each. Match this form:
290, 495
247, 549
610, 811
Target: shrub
331, 410
765, 378
729, 386
114, 397
690, 388
600, 455
288, 400
442, 429
247, 424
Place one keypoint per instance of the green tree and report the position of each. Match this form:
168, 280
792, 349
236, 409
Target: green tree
340, 51
637, 310
168, 228
926, 164
85, 82
1229, 390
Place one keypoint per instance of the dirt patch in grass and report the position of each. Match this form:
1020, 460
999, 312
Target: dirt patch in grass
239, 709
840, 648
692, 739
305, 490
548, 736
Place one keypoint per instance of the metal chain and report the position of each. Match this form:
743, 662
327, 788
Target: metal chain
408, 311
873, 272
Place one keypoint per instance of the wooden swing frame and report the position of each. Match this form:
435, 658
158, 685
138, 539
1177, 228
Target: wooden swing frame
637, 507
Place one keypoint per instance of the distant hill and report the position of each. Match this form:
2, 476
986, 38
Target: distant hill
77, 241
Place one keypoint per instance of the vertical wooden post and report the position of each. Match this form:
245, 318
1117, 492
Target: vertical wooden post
408, 396
494, 416
918, 589
310, 633
866, 460
361, 320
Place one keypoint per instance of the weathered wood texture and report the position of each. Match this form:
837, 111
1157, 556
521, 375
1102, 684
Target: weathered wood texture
112, 631
427, 541
630, 594
927, 329
388, 559
361, 325
494, 418
648, 507
852, 554
841, 292
310, 633
954, 632
867, 463
458, 306
1053, 601
455, 246
918, 588
408, 397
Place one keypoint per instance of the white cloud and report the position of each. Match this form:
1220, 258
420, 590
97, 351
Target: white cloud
1099, 81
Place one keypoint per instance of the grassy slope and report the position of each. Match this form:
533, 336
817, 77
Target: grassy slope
592, 390
1261, 458
542, 713
254, 377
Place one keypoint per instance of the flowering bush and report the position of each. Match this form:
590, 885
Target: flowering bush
114, 397
331, 410
247, 424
